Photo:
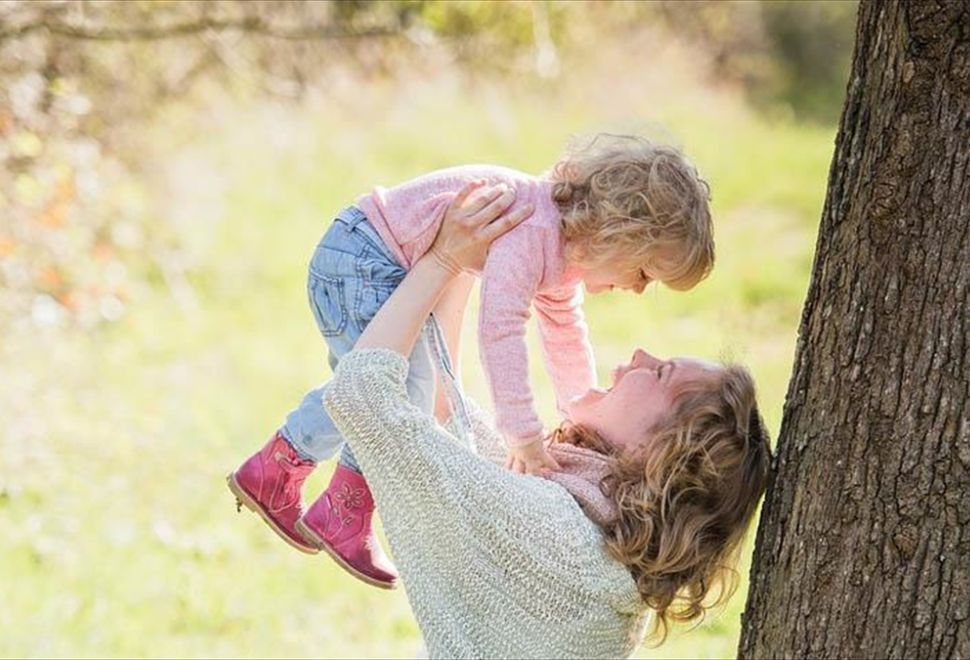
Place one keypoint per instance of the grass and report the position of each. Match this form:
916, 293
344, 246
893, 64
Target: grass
117, 534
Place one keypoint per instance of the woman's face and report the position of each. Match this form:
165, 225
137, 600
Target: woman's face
640, 397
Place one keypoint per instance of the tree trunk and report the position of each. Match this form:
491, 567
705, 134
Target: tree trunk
863, 547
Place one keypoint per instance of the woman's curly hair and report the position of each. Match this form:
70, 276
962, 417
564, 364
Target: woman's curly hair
623, 197
686, 499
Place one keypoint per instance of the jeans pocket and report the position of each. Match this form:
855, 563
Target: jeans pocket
327, 302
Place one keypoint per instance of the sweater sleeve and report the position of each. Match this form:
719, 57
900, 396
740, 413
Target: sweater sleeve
565, 343
509, 284
395, 441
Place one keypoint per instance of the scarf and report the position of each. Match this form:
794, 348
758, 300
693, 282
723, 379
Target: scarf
581, 471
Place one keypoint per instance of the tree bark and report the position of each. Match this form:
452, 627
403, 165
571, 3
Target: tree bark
863, 547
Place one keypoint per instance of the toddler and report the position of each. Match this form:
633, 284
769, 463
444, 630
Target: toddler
619, 212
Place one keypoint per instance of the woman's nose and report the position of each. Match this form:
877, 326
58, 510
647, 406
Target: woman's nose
643, 359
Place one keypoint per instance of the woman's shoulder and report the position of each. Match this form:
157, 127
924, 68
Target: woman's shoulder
560, 522
562, 550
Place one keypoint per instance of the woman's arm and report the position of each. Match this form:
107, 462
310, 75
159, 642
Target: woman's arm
450, 312
398, 322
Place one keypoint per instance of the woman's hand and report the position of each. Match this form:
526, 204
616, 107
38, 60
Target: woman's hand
475, 218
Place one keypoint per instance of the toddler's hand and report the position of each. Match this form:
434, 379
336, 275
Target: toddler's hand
531, 459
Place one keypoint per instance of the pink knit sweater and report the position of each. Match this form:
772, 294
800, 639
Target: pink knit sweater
525, 267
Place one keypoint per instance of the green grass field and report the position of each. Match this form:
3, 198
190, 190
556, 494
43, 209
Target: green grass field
117, 534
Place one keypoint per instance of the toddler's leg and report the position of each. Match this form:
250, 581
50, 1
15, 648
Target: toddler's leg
270, 481
308, 427
350, 280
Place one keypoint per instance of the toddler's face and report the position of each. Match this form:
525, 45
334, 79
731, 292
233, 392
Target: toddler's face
616, 276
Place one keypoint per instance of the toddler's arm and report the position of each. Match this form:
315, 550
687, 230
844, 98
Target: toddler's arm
509, 283
565, 343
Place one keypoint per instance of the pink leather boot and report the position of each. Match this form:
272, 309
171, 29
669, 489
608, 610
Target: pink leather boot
270, 483
339, 522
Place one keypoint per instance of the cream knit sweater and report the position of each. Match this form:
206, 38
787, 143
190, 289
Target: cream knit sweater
495, 564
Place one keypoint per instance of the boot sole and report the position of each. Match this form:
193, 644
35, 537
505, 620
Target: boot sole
312, 537
246, 499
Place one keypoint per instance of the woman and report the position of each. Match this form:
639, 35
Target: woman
659, 477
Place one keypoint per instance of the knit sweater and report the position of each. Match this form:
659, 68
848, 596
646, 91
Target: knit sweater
495, 564
525, 267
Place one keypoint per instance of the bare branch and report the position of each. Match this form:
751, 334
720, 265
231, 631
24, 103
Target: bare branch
252, 24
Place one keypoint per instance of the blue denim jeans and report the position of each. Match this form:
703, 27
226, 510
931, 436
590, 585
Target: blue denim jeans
352, 273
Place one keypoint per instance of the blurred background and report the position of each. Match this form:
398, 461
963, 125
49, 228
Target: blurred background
166, 169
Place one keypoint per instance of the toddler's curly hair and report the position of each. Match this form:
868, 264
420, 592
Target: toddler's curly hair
623, 197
